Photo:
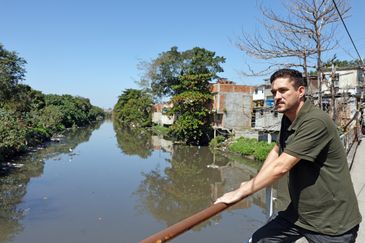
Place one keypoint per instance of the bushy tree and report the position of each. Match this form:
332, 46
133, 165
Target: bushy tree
12, 134
75, 110
51, 118
171, 72
134, 108
185, 78
193, 118
11, 72
25, 99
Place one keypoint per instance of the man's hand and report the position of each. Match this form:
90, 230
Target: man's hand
233, 196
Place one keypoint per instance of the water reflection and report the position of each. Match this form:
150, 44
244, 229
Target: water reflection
191, 181
181, 189
194, 179
90, 199
16, 174
133, 141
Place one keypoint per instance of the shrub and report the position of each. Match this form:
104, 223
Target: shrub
246, 146
12, 135
36, 136
215, 142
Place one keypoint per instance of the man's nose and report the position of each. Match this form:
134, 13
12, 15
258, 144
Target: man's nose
277, 96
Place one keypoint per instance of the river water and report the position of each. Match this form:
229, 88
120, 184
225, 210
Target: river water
104, 184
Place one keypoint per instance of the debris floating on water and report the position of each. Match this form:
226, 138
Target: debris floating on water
213, 166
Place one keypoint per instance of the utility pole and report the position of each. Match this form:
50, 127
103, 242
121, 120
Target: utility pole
333, 92
319, 77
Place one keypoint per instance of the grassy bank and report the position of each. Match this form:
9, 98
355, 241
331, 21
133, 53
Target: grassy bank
247, 147
251, 147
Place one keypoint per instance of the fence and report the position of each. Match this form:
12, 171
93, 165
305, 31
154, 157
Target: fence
351, 137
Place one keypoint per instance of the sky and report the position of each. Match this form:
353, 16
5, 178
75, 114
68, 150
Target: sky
92, 48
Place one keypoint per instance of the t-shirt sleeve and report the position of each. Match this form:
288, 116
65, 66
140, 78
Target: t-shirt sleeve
309, 140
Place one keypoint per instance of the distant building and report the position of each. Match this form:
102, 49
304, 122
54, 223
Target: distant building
232, 105
159, 115
312, 85
348, 85
348, 80
264, 117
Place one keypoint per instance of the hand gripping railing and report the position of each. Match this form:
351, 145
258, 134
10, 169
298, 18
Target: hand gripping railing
186, 224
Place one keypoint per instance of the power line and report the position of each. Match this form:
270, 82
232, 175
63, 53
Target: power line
348, 33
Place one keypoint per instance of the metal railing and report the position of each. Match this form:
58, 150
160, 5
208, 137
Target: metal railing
349, 139
186, 224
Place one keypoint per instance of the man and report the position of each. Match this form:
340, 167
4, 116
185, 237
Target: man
323, 205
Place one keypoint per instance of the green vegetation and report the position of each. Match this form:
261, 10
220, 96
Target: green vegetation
133, 109
11, 72
343, 63
193, 123
160, 130
76, 111
28, 117
339, 64
251, 147
184, 78
216, 142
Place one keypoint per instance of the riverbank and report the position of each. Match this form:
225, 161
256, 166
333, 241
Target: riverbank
26, 124
246, 147
19, 141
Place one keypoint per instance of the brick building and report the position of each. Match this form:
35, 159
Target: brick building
232, 105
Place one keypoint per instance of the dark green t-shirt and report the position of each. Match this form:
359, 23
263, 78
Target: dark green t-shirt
320, 187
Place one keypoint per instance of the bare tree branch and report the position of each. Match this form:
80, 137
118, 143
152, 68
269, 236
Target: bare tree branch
305, 32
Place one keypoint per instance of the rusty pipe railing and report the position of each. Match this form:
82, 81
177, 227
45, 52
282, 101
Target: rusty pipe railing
186, 224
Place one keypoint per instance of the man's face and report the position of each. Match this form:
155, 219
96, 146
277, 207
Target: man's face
286, 96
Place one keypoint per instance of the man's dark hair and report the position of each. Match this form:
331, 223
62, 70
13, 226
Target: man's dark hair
293, 74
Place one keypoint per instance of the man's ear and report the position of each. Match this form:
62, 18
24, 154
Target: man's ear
301, 90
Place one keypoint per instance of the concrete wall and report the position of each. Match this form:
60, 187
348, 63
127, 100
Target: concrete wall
258, 95
161, 119
237, 108
267, 120
156, 117
248, 133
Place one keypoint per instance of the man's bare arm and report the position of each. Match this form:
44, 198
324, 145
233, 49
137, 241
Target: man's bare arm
268, 174
274, 154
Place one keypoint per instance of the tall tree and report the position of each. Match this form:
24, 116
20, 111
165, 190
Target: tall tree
184, 77
134, 108
298, 38
12, 71
166, 75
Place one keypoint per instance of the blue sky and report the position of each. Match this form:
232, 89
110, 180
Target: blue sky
91, 48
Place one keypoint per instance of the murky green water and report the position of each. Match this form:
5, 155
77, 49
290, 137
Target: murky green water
103, 184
